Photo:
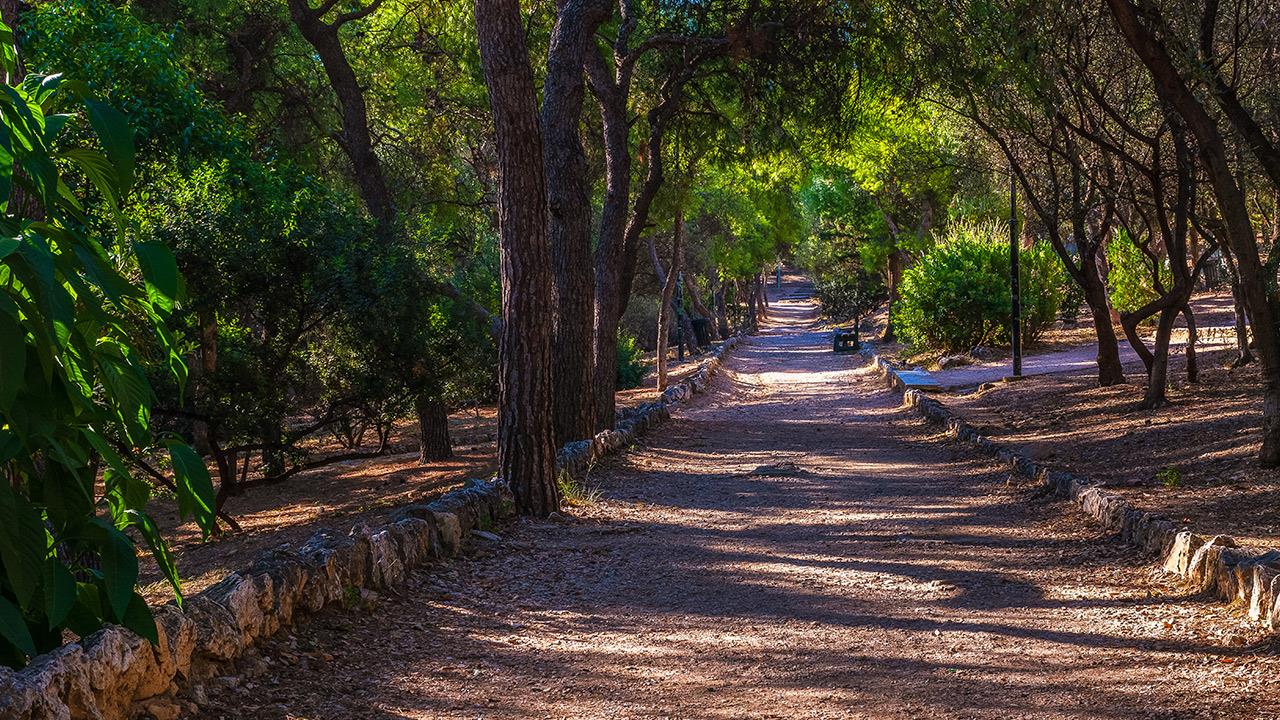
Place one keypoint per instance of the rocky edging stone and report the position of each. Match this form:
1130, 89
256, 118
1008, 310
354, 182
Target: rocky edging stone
1209, 564
114, 674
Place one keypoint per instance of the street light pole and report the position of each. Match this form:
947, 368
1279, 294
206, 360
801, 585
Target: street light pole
1013, 274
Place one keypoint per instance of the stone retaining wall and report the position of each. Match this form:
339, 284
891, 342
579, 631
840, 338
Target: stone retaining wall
1212, 565
114, 674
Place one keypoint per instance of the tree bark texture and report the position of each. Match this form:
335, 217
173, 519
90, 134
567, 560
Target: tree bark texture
526, 449
610, 89
569, 217
433, 429
1110, 371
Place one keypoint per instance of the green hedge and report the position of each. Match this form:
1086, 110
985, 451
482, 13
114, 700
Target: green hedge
957, 295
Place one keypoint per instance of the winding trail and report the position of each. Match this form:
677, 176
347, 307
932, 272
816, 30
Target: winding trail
793, 545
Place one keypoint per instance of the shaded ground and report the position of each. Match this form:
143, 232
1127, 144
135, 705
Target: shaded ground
793, 546
1205, 440
339, 496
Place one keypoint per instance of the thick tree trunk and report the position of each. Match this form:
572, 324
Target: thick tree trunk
526, 449
433, 429
1173, 89
569, 213
668, 292
611, 94
1110, 370
1158, 374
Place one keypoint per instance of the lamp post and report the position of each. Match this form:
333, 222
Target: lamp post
1013, 274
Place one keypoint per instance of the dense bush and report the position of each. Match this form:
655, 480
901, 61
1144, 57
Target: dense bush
957, 295
82, 314
631, 367
1131, 276
850, 295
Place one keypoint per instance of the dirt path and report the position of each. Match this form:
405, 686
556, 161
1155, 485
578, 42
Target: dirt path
793, 546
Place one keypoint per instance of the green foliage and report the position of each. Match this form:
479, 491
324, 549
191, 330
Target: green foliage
1132, 274
80, 321
957, 295
574, 492
131, 65
1169, 477
850, 296
631, 366
1044, 286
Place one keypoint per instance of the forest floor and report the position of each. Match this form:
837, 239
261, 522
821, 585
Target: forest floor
339, 496
1193, 460
792, 544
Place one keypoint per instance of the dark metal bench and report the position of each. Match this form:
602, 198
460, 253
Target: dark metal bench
845, 340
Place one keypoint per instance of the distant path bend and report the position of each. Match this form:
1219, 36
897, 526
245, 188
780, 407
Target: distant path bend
792, 545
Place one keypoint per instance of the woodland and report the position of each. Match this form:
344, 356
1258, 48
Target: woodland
244, 240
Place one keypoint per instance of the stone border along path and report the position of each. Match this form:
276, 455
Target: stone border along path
1209, 564
114, 674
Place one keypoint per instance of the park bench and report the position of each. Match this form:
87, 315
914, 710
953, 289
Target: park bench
845, 340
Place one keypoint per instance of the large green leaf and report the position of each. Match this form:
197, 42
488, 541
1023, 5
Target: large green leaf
8, 51
119, 567
116, 137
14, 628
34, 265
195, 487
161, 272
59, 592
13, 359
159, 549
138, 618
100, 172
22, 544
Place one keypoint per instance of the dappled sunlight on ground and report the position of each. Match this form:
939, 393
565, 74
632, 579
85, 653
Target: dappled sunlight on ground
792, 545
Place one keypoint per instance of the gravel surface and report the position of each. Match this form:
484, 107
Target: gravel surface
791, 546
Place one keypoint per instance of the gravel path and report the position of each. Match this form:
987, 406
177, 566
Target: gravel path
793, 546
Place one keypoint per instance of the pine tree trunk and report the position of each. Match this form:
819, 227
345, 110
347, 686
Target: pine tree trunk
569, 214
526, 450
611, 95
433, 429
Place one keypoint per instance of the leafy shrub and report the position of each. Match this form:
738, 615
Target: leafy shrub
957, 295
850, 295
81, 317
631, 367
1130, 278
1044, 284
